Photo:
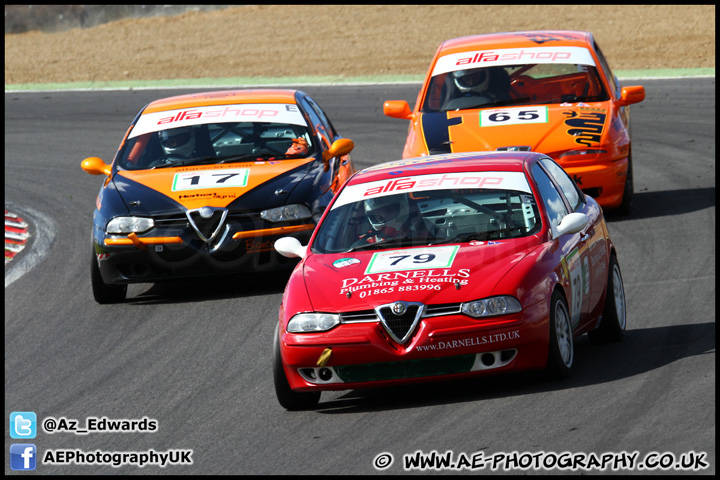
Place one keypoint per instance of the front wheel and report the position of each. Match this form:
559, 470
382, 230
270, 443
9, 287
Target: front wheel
561, 351
287, 397
614, 317
103, 292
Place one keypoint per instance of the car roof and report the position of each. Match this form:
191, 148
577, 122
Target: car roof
446, 163
530, 38
223, 97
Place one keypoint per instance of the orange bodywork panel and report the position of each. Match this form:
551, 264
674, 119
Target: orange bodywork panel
173, 181
133, 239
273, 231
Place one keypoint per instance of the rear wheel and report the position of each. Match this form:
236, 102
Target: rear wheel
561, 351
614, 317
103, 292
287, 397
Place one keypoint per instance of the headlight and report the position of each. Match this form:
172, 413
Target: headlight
312, 322
488, 307
288, 212
130, 225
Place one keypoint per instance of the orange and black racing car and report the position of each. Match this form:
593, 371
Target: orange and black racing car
203, 184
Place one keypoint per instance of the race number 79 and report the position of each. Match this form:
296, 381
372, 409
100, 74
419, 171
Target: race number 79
422, 258
412, 259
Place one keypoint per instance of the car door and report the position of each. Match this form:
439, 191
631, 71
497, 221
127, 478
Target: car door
573, 247
592, 236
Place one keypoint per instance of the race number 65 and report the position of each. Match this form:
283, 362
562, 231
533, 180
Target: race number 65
513, 116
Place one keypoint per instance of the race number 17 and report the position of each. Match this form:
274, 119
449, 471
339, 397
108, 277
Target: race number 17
233, 177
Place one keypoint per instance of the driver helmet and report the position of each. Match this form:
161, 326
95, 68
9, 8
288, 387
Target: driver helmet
299, 147
389, 211
178, 141
475, 80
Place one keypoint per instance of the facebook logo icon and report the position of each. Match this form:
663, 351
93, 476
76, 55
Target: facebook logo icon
23, 456
23, 425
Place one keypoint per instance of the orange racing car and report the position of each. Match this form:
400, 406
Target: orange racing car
203, 184
546, 91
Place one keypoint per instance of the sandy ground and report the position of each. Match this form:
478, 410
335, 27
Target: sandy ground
342, 40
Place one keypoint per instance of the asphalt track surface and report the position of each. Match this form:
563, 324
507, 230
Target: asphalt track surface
196, 356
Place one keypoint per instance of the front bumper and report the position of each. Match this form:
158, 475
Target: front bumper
603, 181
362, 355
179, 254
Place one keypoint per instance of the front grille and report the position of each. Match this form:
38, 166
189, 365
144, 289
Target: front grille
443, 309
171, 221
426, 367
207, 221
429, 311
239, 221
359, 316
400, 326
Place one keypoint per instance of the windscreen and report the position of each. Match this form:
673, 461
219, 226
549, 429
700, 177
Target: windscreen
448, 214
524, 76
217, 134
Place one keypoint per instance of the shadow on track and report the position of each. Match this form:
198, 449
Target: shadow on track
214, 288
671, 202
642, 351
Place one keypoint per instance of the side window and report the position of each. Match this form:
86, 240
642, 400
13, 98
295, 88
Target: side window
321, 123
315, 123
568, 187
554, 204
326, 121
606, 70
436, 93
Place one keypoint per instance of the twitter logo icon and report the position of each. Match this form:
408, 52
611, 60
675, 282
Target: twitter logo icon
23, 425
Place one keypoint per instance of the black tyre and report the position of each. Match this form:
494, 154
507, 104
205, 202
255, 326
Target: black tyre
103, 292
561, 351
626, 205
614, 317
288, 398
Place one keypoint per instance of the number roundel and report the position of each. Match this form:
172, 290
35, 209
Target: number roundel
411, 259
230, 177
513, 116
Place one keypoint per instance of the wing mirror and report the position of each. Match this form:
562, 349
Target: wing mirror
340, 147
397, 109
630, 95
96, 166
290, 247
572, 223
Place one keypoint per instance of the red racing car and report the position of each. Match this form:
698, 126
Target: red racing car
446, 266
